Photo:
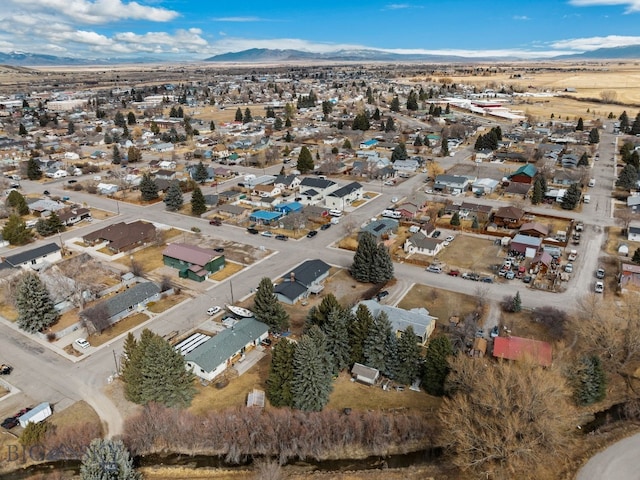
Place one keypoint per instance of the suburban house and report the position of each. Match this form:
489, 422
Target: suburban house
534, 229
314, 190
344, 196
290, 182
423, 324
570, 160
381, 228
369, 144
193, 262
408, 210
221, 351
633, 233
423, 245
517, 348
524, 174
33, 258
475, 210
306, 278
266, 190
542, 262
265, 217
510, 217
74, 215
107, 188
525, 245
289, 207
165, 174
219, 151
364, 374
121, 237
408, 165
129, 301
454, 184
484, 186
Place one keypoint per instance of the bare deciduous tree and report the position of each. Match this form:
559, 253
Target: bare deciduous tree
96, 319
608, 96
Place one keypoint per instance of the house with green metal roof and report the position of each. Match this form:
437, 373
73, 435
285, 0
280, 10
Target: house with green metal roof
524, 174
214, 356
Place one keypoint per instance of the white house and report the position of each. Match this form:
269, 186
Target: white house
220, 352
33, 258
344, 196
107, 188
423, 245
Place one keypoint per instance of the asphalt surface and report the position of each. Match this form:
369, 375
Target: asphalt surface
42, 375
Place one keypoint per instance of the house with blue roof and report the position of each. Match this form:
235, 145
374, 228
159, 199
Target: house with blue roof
265, 217
369, 144
289, 207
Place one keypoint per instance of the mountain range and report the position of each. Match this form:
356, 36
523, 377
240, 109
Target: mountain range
266, 55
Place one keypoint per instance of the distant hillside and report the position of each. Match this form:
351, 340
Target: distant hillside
614, 53
266, 55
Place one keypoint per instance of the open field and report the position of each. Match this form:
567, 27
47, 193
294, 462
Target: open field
456, 255
122, 326
165, 303
441, 304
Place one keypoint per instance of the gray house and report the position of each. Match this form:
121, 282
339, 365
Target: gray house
306, 278
381, 227
423, 324
123, 304
451, 183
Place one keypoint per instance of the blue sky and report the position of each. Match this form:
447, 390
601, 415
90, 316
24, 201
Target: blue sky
197, 29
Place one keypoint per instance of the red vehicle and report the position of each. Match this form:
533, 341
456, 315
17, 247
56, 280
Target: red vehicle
454, 273
215, 222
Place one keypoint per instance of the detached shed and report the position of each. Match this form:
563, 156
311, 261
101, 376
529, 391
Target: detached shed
364, 374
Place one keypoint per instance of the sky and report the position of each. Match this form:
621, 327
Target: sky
191, 30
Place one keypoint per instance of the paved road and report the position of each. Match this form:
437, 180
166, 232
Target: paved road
41, 374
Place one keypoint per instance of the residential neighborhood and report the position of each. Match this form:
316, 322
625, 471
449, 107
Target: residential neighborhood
314, 240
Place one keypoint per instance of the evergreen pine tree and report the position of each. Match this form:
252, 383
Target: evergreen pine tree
537, 196
198, 204
131, 368
71, 128
311, 385
444, 145
635, 127
173, 198
436, 365
200, 174
281, 374
277, 125
395, 104
34, 305
335, 329
358, 329
475, 225
636, 256
107, 459
347, 144
362, 259
148, 188
376, 114
54, 223
15, 231
390, 125
382, 265
589, 381
119, 119
131, 118
318, 315
22, 130
594, 136
580, 125
305, 161
34, 172
267, 309
516, 304
584, 160
117, 158
247, 117
17, 202
165, 379
571, 197
399, 152
455, 219
624, 122
628, 177
409, 358
376, 344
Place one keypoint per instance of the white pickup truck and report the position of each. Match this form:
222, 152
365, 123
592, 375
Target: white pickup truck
573, 254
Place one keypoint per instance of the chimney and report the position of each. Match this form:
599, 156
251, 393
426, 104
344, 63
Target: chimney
293, 277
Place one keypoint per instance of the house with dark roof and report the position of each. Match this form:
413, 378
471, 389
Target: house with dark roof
633, 233
192, 262
423, 245
221, 351
475, 210
344, 196
121, 237
74, 215
570, 160
381, 228
314, 190
290, 182
423, 324
510, 217
129, 301
306, 278
524, 174
33, 258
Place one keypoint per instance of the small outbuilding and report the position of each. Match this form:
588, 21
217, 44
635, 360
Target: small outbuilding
36, 414
364, 374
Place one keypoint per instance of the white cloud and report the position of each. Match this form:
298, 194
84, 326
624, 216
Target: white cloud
239, 19
632, 5
400, 6
593, 43
521, 17
89, 12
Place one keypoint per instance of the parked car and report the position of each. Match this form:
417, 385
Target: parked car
5, 369
487, 280
600, 273
449, 238
510, 275
599, 288
454, 273
568, 267
46, 192
434, 269
266, 233
215, 221
382, 294
527, 279
9, 422
82, 343
282, 237
218, 249
389, 182
312, 233
253, 231
325, 226
213, 310
436, 234
495, 332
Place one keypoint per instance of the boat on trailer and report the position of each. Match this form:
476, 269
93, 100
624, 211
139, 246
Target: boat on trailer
240, 311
